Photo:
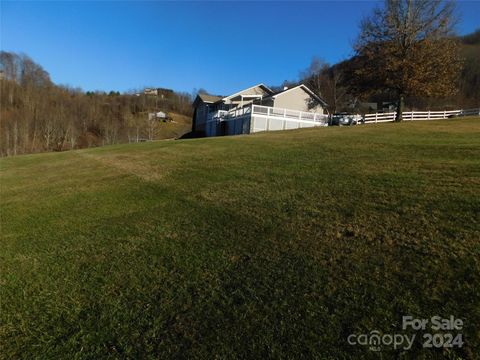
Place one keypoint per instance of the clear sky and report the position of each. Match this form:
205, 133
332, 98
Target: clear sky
219, 46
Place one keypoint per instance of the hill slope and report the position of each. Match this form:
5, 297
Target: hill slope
180, 125
270, 245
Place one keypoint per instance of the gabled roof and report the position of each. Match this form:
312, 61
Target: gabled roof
302, 86
266, 88
209, 98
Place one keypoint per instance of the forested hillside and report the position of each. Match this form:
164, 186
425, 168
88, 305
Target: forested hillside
36, 115
470, 86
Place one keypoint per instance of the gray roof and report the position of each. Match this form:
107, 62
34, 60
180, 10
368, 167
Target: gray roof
209, 98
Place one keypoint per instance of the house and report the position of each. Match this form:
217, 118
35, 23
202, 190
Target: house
258, 108
387, 106
367, 107
162, 93
157, 115
160, 115
150, 91
165, 93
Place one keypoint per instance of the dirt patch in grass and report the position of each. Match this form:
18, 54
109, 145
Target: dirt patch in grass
137, 166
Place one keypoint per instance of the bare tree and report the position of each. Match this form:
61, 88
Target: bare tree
315, 76
326, 82
37, 115
406, 47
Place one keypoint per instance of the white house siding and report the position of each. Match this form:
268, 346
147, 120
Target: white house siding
297, 99
255, 123
264, 123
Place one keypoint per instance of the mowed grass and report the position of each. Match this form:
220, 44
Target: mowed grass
275, 245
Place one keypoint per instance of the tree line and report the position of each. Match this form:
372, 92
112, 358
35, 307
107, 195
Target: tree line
36, 115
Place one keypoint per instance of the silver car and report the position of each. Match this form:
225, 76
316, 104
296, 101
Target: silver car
346, 119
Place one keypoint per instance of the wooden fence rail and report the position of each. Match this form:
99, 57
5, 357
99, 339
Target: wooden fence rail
419, 115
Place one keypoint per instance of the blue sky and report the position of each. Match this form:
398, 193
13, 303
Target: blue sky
219, 46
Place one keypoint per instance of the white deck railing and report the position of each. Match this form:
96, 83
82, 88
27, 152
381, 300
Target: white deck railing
288, 114
239, 112
229, 114
418, 115
268, 111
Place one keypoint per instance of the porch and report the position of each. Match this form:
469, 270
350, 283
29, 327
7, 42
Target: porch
257, 118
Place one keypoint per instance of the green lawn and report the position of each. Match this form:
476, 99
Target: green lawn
275, 245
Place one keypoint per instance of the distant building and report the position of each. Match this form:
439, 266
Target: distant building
161, 115
372, 107
164, 93
368, 107
160, 92
387, 106
157, 115
150, 91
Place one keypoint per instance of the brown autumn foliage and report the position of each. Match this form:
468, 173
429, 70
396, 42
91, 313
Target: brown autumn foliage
407, 48
336, 85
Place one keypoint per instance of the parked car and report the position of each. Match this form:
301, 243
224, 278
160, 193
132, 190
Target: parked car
346, 119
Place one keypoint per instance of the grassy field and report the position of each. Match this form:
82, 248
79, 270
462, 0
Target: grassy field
274, 245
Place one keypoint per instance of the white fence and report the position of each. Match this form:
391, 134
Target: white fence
419, 115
